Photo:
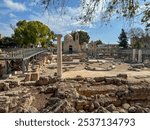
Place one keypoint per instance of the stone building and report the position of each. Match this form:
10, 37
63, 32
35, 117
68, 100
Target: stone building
72, 45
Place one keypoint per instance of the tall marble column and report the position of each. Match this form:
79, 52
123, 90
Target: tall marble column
133, 55
139, 56
59, 55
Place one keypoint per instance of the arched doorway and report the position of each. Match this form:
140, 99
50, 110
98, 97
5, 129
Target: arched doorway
70, 49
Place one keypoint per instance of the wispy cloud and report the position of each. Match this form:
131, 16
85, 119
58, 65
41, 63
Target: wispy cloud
15, 5
61, 23
12, 15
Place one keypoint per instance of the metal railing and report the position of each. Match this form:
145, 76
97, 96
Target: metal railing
23, 52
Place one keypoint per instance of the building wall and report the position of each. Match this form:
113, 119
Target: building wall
70, 43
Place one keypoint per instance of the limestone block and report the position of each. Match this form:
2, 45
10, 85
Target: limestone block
99, 79
27, 101
12, 93
4, 104
111, 108
34, 76
126, 106
13, 83
27, 77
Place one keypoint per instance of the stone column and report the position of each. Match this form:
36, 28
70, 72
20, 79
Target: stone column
139, 56
59, 55
133, 55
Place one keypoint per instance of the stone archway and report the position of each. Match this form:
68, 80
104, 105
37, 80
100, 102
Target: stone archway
70, 49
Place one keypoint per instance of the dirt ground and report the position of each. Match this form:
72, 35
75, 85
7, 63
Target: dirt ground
123, 68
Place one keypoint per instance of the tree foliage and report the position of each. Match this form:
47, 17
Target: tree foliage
98, 42
32, 33
137, 42
7, 42
123, 40
83, 36
135, 32
138, 37
108, 9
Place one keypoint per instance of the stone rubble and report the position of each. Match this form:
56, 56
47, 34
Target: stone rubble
114, 94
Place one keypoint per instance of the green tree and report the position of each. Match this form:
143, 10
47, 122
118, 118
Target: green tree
7, 42
83, 36
123, 40
29, 33
98, 42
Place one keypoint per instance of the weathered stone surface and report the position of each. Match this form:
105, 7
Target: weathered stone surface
4, 109
4, 99
42, 81
96, 105
34, 76
13, 83
132, 109
4, 86
61, 106
32, 109
126, 106
102, 110
53, 79
121, 110
13, 102
146, 110
92, 107
27, 101
51, 89
99, 79
79, 78
125, 76
139, 66
111, 108
27, 77
4, 104
12, 93
61, 94
80, 105
29, 109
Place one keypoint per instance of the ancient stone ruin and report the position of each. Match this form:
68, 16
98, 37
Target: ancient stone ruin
77, 83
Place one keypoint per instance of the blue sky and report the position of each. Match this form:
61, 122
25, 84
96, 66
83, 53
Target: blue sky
11, 11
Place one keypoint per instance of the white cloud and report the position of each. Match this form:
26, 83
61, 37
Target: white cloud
61, 23
15, 5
